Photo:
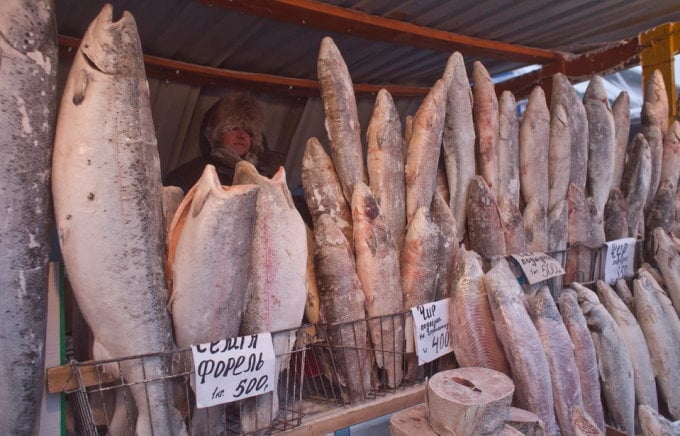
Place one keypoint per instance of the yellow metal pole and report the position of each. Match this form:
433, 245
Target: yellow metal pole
659, 46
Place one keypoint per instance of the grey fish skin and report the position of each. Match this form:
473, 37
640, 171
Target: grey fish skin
342, 300
654, 424
596, 236
484, 224
508, 149
636, 180
623, 291
513, 226
578, 234
621, 113
670, 165
664, 348
423, 150
448, 245
107, 181
485, 113
559, 155
615, 366
559, 350
601, 141
653, 125
458, 141
662, 297
668, 261
474, 339
661, 212
584, 355
534, 137
557, 238
521, 343
566, 95
386, 153
377, 261
643, 372
323, 193
616, 216
342, 121
28, 81
536, 225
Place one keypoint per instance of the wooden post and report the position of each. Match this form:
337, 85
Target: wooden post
659, 46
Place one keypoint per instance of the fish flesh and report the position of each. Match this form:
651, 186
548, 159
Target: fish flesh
112, 195
536, 225
559, 350
634, 339
559, 155
385, 158
277, 290
28, 80
583, 424
323, 193
485, 231
508, 149
613, 360
584, 355
670, 164
448, 245
664, 348
458, 140
377, 262
423, 150
636, 180
534, 137
565, 94
601, 141
485, 114
621, 113
473, 337
343, 301
342, 121
668, 261
521, 343
513, 226
616, 216
654, 424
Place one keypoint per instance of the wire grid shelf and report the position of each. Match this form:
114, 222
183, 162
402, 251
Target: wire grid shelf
102, 403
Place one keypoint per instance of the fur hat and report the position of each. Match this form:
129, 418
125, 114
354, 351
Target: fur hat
236, 109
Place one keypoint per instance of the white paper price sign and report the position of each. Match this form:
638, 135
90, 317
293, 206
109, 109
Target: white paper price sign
538, 266
431, 330
232, 369
619, 260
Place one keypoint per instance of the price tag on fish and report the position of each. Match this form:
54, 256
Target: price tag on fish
431, 330
232, 369
538, 266
619, 260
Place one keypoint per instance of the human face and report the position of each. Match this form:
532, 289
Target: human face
237, 140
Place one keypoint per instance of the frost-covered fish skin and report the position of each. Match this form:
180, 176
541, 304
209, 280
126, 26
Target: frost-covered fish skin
559, 155
536, 225
513, 226
458, 141
557, 238
578, 235
377, 262
584, 355
343, 302
670, 165
621, 113
664, 301
107, 188
601, 141
342, 121
614, 364
448, 245
616, 216
484, 223
654, 424
473, 338
385, 163
636, 180
668, 261
521, 343
643, 372
661, 211
624, 293
485, 112
423, 150
653, 125
28, 80
508, 148
534, 137
323, 193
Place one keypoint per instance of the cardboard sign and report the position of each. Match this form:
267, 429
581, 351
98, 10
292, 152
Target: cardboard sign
619, 260
538, 266
431, 330
233, 369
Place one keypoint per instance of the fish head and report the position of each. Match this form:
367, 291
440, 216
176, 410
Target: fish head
113, 47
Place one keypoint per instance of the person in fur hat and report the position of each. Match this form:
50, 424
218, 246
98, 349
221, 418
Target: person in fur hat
231, 131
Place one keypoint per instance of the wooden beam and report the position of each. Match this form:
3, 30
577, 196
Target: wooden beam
176, 71
331, 18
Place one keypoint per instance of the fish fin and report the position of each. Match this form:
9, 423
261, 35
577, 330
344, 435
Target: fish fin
80, 87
